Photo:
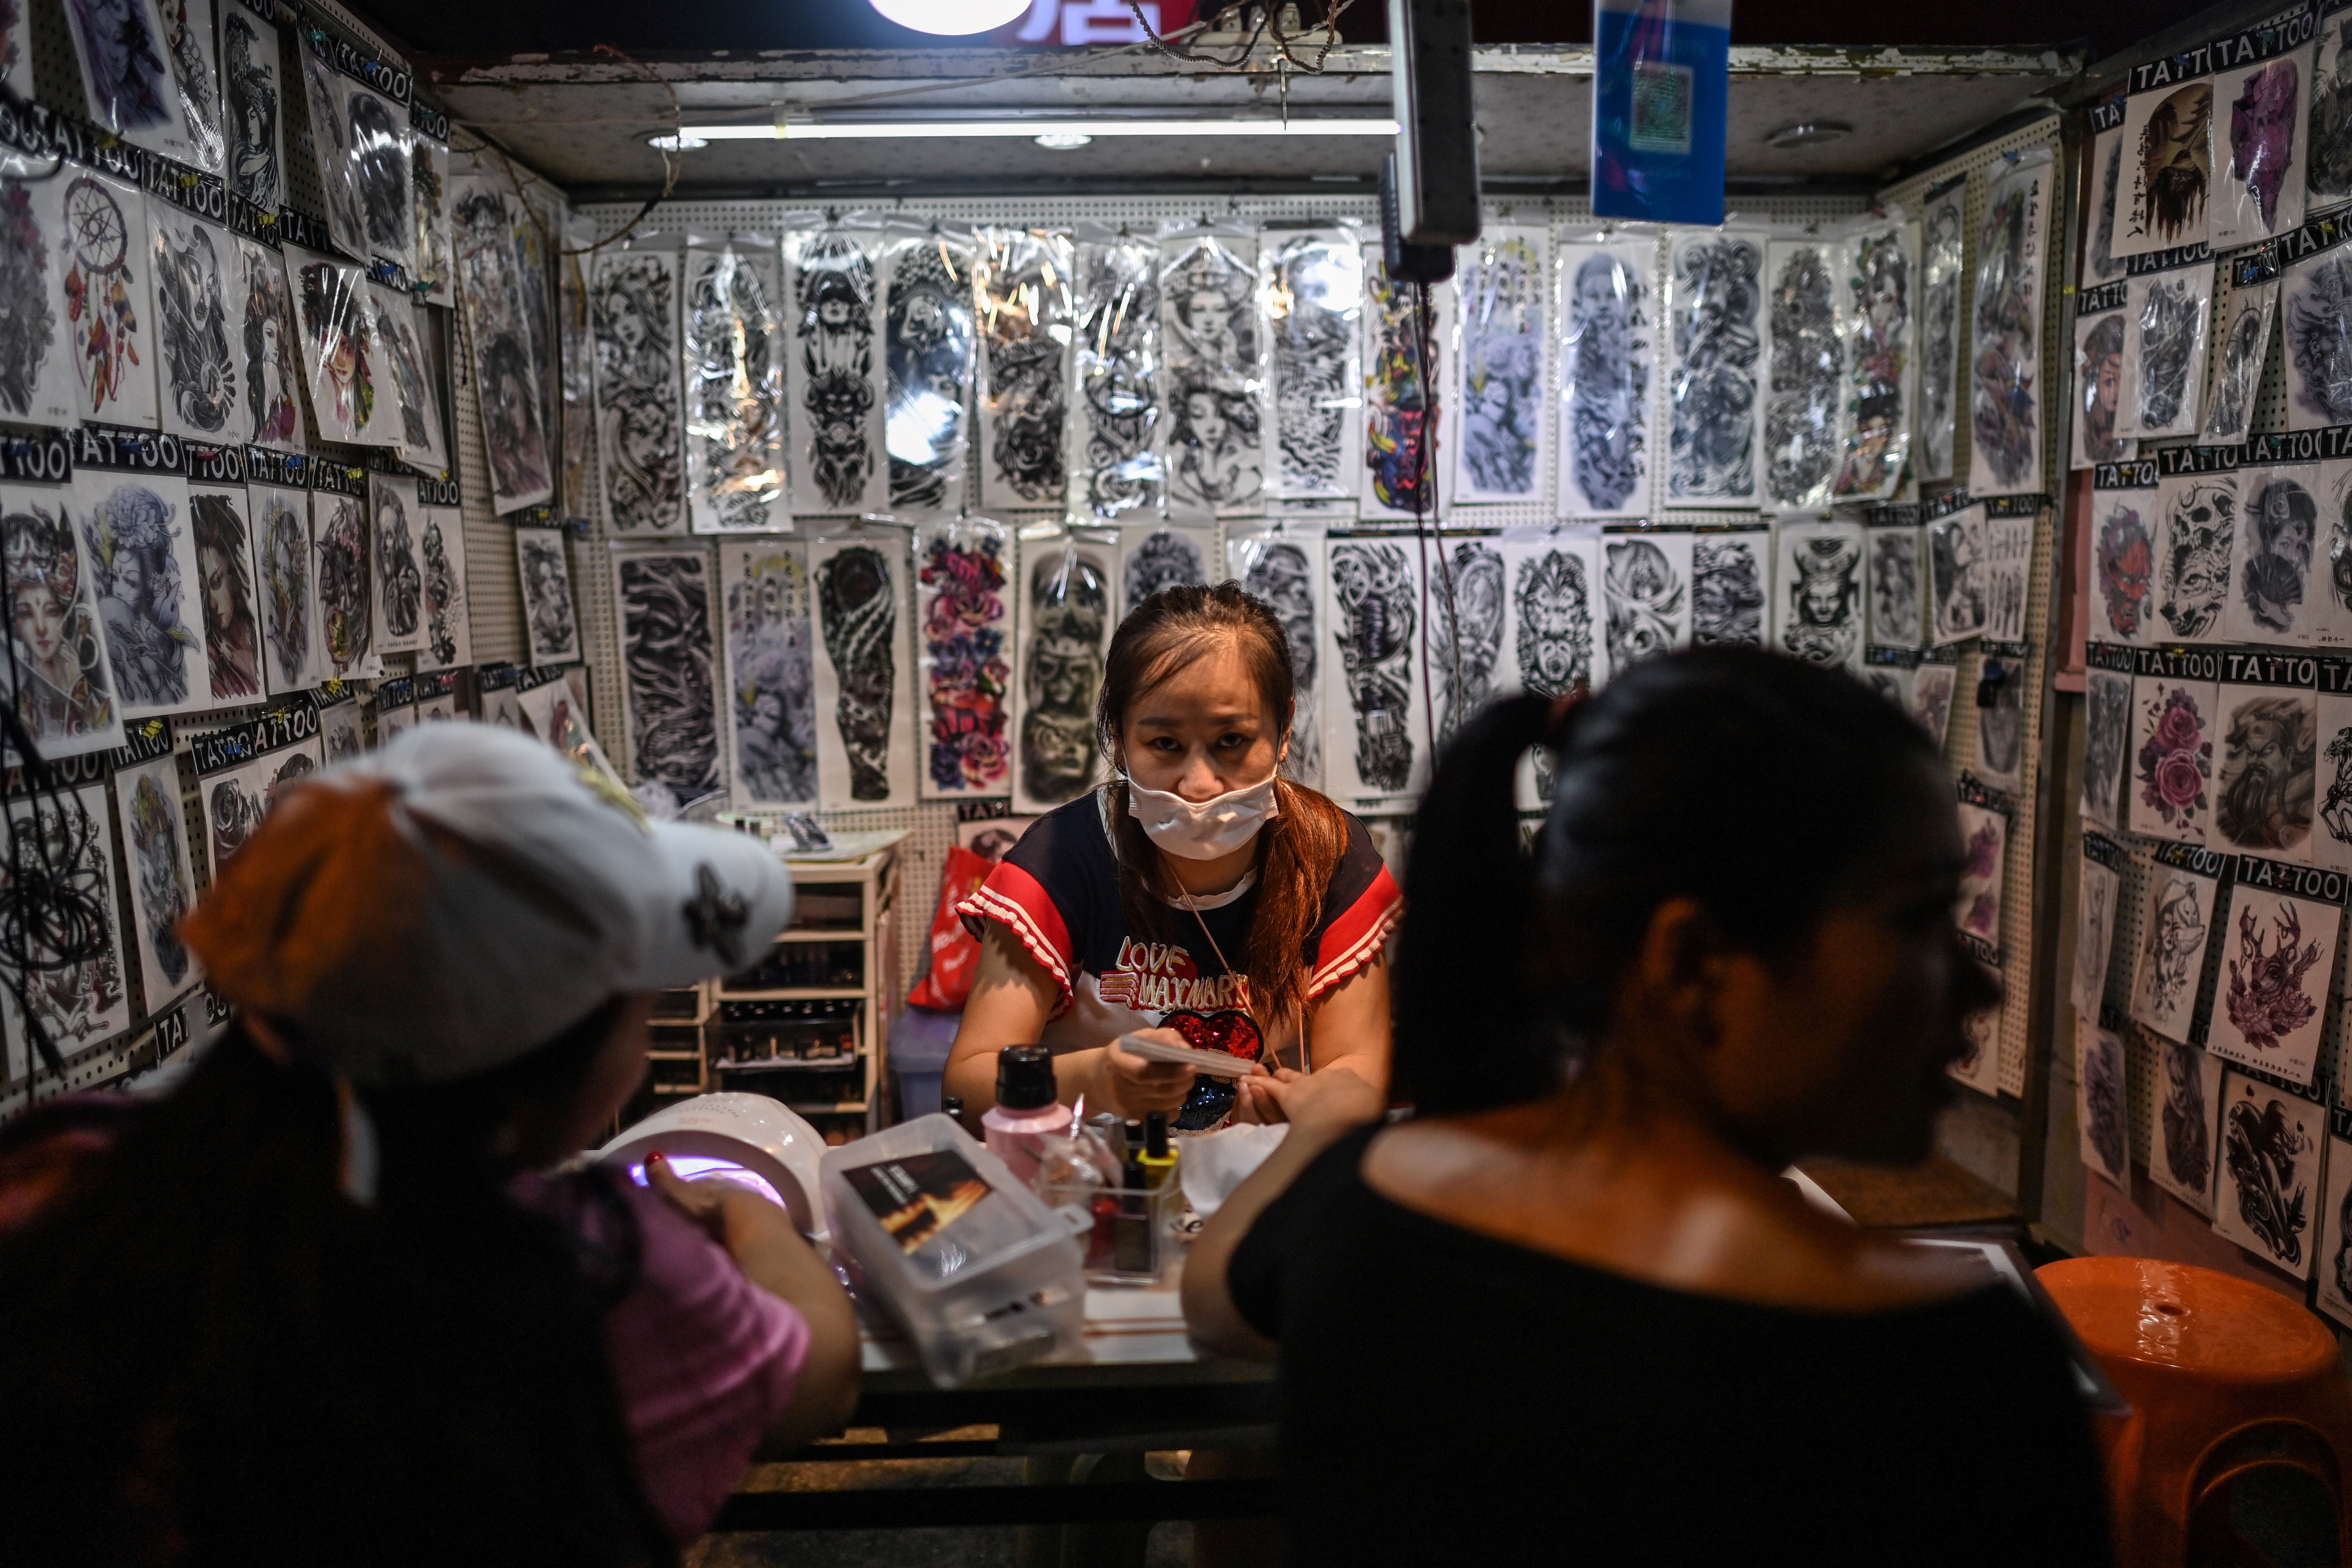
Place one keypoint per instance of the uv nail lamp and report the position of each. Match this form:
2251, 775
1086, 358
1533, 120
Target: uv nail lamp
749, 1139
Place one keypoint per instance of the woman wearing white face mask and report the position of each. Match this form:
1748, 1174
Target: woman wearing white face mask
1197, 892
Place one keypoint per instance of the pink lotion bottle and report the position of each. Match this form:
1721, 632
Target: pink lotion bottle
1026, 1111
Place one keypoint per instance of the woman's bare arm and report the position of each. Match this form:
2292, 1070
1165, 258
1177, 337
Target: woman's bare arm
1013, 996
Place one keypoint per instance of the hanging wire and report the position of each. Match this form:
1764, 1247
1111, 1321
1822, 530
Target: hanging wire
672, 158
1266, 25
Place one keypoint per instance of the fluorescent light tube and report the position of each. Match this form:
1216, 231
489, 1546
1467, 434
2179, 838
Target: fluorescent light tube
849, 130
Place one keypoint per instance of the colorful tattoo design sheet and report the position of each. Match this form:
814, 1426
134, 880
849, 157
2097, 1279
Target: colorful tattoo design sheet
2328, 149
1314, 289
2184, 1104
864, 711
1498, 415
2316, 306
734, 389
1214, 440
1880, 282
253, 95
340, 362
1375, 745
2104, 188
2265, 1191
57, 675
2164, 199
2258, 157
930, 352
2197, 525
1064, 625
66, 835
1468, 611
1944, 230
963, 626
237, 797
640, 433
2107, 743
163, 878
1405, 348
1608, 367
399, 571
2005, 348
668, 689
282, 575
225, 590
1115, 420
101, 261
2123, 542
834, 381
126, 74
270, 392
2164, 350
448, 630
2102, 1104
1021, 294
2098, 390
2242, 338
141, 552
2278, 957
1817, 605
1646, 595
1731, 576
342, 577
408, 380
2274, 598
2174, 928
1153, 559
40, 342
2094, 922
505, 375
1805, 372
553, 628
1891, 557
1715, 284
2175, 735
770, 694
1285, 568
2264, 767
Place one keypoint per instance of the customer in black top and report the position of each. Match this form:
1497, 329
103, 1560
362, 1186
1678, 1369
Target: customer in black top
1568, 1312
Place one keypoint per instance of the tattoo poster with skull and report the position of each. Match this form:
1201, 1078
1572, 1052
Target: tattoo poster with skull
162, 876
2242, 339
1284, 566
964, 594
1944, 228
768, 689
1313, 284
1804, 372
2168, 772
1213, 441
2165, 319
1469, 606
1406, 348
41, 345
2278, 960
237, 797
2184, 1112
2175, 925
1150, 559
1376, 737
101, 295
669, 690
448, 622
1607, 318
2258, 157
1891, 558
1064, 625
2316, 324
2273, 596
833, 376
2334, 1296
1021, 286
640, 428
930, 353
1715, 320
68, 835
2098, 391
2005, 405
1984, 863
1115, 418
2266, 1188
1879, 283
2102, 1103
865, 687
2197, 526
2164, 196
2107, 732
2094, 922
734, 344
1818, 596
1556, 618
1646, 595
2264, 772
1498, 363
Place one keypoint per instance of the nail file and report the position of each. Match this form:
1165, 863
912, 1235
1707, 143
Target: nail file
1216, 1064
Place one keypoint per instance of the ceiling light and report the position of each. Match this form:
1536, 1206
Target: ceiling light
1035, 130
950, 17
1063, 141
683, 143
1810, 134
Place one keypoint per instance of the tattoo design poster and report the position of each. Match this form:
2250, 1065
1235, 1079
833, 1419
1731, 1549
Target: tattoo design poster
226, 591
399, 571
2122, 539
366, 176
163, 878
734, 390
2164, 350
1498, 413
668, 689
199, 374
2102, 1103
1114, 446
238, 797
505, 374
40, 341
963, 621
339, 359
449, 625
106, 304
928, 351
1405, 348
2264, 768
2174, 927
254, 97
1892, 557
1818, 601
16, 76
1880, 282
1646, 595
1375, 741
2164, 200
2000, 738
430, 166
66, 836
2184, 1104
2196, 522
1805, 372
2334, 1256
2104, 188
1944, 226
640, 432
1021, 290
1984, 859
2274, 598
1314, 289
126, 74
1608, 367
281, 576
2243, 338
1731, 574
2171, 768
2331, 840
1157, 558
2278, 958
1715, 294
2107, 706
1931, 699
2094, 924
2258, 160
1558, 613
268, 412
343, 576
1467, 612
196, 79
2265, 1191
1285, 568
573, 438
1960, 580
547, 602
2098, 391
2005, 366
769, 693
407, 378
57, 671
535, 218
142, 556
343, 732
834, 381
1064, 625
2315, 302
1214, 438
2327, 150
864, 711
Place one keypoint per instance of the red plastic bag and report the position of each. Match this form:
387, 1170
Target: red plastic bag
955, 954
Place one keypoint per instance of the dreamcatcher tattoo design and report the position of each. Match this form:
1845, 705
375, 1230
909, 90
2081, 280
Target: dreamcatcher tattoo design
98, 290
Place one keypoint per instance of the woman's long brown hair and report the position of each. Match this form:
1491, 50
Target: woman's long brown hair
1298, 851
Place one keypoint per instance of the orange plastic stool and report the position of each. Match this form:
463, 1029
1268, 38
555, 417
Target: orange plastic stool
2240, 1431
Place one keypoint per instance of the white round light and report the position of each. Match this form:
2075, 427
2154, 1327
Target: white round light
1063, 141
682, 143
950, 17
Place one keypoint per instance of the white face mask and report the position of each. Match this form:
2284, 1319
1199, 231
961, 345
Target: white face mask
1208, 829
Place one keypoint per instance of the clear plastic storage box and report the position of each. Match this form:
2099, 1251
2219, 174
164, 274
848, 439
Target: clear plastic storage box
976, 1270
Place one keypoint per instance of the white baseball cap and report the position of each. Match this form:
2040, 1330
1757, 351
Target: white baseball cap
443, 906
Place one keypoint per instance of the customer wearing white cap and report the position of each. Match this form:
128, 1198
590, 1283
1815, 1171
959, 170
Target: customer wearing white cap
323, 1303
